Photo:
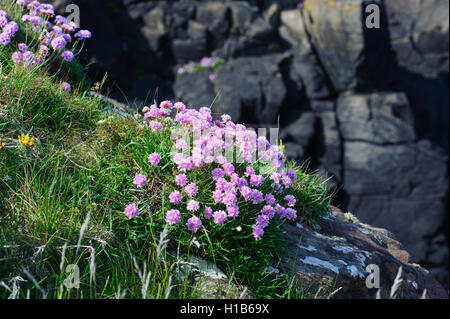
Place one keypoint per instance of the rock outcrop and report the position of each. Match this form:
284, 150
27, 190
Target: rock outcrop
343, 253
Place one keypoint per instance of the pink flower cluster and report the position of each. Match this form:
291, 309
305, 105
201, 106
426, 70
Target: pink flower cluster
204, 63
8, 28
231, 188
56, 35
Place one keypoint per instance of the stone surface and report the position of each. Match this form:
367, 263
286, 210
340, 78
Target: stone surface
352, 54
251, 88
419, 35
380, 118
195, 90
337, 256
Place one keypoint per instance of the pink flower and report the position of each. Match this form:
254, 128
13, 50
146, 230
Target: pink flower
154, 159
228, 168
194, 223
66, 86
208, 212
179, 106
281, 210
67, 56
263, 221
131, 211
258, 232
290, 200
268, 210
17, 57
218, 196
256, 180
181, 144
270, 199
291, 213
246, 192
140, 181
155, 126
193, 206
181, 180
233, 211
220, 217
218, 173
292, 175
191, 189
83, 34
173, 216
175, 197
58, 43
249, 171
166, 105
257, 196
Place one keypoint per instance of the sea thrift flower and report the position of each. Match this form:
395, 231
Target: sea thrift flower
191, 189
218, 173
175, 197
166, 105
220, 217
263, 221
257, 197
154, 159
155, 126
66, 86
140, 180
10, 28
291, 213
208, 212
22, 47
83, 34
233, 211
131, 211
179, 106
258, 232
291, 200
17, 57
246, 192
173, 217
218, 196
28, 57
268, 210
181, 180
58, 43
270, 199
249, 171
292, 175
67, 56
4, 38
256, 180
193, 206
181, 144
194, 223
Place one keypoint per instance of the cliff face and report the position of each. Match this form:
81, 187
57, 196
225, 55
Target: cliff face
369, 106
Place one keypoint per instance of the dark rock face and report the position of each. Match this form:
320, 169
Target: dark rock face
368, 106
251, 88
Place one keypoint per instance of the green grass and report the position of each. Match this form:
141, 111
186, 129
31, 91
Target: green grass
62, 201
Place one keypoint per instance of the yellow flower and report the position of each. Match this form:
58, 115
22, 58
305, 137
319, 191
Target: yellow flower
26, 140
1, 143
